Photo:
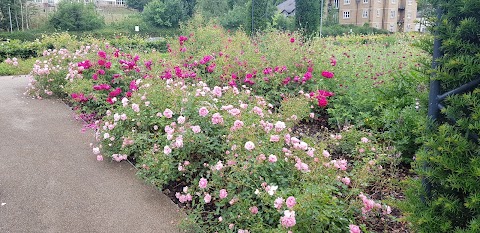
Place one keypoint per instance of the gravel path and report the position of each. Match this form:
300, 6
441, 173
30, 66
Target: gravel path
51, 182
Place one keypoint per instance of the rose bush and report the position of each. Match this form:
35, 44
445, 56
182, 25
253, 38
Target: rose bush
218, 122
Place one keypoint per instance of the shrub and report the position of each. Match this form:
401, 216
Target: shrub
217, 122
449, 158
72, 16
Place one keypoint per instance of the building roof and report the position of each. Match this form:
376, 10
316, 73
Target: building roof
287, 6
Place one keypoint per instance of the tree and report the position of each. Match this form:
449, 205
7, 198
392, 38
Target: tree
212, 8
448, 199
137, 4
20, 12
166, 13
260, 13
307, 15
74, 16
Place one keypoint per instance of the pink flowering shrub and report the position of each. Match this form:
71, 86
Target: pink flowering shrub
218, 121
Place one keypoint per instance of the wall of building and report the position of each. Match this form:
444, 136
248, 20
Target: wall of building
391, 15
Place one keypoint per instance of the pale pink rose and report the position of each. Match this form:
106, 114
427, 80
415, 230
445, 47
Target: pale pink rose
326, 154
124, 101
364, 140
223, 193
234, 112
195, 128
220, 219
254, 210
217, 91
207, 198
168, 113
244, 106
181, 119
354, 228
387, 210
287, 139
217, 119
274, 138
96, 151
279, 126
312, 115
346, 180
238, 124
291, 202
203, 111
203, 183
261, 157
361, 150
311, 152
288, 220
99, 158
136, 107
272, 158
167, 150
179, 141
249, 146
278, 203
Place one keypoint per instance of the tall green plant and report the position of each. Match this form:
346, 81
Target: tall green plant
74, 16
307, 15
260, 13
451, 150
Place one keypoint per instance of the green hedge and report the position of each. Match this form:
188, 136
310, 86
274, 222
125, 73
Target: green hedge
450, 157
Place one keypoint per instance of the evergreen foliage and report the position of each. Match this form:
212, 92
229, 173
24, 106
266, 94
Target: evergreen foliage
165, 13
307, 15
260, 13
451, 150
74, 16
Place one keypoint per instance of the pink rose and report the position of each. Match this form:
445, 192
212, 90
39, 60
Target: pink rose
278, 203
181, 119
291, 202
195, 129
272, 158
354, 228
203, 183
168, 113
274, 138
249, 146
254, 210
203, 111
223, 193
346, 180
207, 198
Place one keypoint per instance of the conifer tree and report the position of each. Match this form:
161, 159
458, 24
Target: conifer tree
307, 15
450, 159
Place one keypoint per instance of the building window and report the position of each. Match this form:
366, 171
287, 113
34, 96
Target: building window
120, 2
50, 1
409, 15
346, 2
365, 13
365, 1
346, 14
336, 2
391, 28
409, 2
392, 14
394, 1
378, 12
408, 27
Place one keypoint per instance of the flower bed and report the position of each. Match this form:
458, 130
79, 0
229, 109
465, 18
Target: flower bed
217, 122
